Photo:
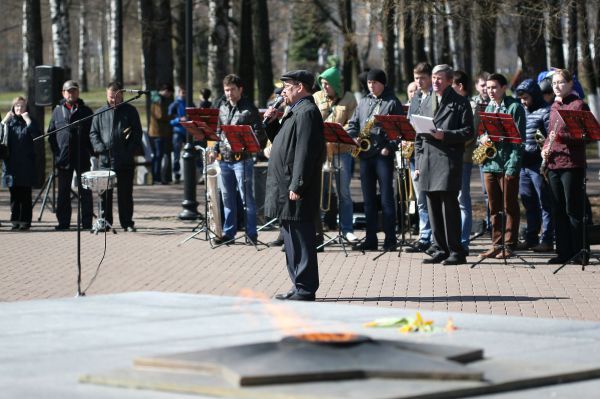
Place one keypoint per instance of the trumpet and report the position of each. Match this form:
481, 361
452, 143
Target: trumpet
486, 150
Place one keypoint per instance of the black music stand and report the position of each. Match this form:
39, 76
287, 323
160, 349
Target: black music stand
200, 131
397, 127
334, 133
241, 139
582, 126
501, 128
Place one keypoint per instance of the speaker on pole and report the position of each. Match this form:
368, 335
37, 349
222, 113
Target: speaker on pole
48, 85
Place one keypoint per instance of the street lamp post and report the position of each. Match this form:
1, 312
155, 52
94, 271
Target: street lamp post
189, 204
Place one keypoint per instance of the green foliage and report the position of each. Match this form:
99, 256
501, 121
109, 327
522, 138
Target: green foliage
309, 31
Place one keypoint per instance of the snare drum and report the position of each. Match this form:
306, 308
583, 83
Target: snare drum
99, 180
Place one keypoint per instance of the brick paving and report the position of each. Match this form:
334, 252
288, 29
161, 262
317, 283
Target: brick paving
42, 263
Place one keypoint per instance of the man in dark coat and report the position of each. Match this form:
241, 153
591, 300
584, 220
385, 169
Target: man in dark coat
376, 164
115, 135
293, 179
439, 163
66, 155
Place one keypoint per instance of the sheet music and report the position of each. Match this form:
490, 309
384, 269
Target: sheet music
422, 124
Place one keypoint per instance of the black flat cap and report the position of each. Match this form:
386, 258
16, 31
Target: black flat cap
300, 75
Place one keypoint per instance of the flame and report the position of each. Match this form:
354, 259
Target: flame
327, 337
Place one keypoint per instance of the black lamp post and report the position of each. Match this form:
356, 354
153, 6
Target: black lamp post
189, 204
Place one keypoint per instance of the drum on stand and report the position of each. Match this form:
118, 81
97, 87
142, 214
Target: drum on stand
99, 181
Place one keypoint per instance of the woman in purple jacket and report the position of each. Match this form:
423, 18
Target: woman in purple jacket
564, 156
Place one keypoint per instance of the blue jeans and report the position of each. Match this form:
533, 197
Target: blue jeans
378, 169
178, 143
424, 225
230, 182
342, 187
536, 198
159, 149
466, 210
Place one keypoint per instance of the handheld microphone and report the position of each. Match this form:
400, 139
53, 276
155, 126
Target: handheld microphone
138, 92
278, 101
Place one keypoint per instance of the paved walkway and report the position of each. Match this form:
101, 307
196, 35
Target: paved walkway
42, 263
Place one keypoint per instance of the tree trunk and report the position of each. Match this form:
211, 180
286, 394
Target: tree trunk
83, 48
61, 36
115, 34
597, 49
588, 76
163, 46
352, 64
485, 49
467, 51
572, 38
453, 27
262, 51
407, 29
32, 42
431, 56
218, 45
557, 55
146, 21
246, 49
389, 41
418, 28
178, 31
531, 46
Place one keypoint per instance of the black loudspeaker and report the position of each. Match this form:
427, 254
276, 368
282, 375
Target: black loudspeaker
48, 85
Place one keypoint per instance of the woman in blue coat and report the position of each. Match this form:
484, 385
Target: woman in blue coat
20, 165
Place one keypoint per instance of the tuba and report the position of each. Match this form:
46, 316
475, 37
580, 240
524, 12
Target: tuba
215, 221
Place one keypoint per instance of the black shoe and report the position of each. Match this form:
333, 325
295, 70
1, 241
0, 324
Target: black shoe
276, 243
437, 257
24, 227
287, 295
221, 240
557, 260
252, 240
61, 228
364, 247
130, 229
389, 247
431, 250
418, 246
301, 297
455, 259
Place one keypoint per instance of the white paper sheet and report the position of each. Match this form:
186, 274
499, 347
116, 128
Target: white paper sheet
422, 124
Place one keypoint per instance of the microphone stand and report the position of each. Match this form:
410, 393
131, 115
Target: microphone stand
77, 124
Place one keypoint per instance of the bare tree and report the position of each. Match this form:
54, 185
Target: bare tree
589, 75
407, 40
246, 49
531, 46
61, 36
218, 45
389, 40
83, 48
178, 16
572, 37
262, 50
115, 34
485, 48
555, 34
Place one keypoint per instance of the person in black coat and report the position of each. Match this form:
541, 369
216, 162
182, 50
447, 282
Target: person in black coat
439, 163
115, 136
293, 178
19, 174
66, 155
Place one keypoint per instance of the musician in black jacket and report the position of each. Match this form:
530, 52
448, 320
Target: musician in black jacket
377, 163
68, 157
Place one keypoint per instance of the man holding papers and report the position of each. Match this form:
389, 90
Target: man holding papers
439, 162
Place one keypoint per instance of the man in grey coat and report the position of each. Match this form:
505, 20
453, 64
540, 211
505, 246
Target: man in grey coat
293, 179
439, 163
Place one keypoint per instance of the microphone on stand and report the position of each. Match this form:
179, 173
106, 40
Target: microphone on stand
138, 92
278, 101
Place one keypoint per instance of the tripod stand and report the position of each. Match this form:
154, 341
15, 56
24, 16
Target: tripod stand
44, 193
501, 128
584, 122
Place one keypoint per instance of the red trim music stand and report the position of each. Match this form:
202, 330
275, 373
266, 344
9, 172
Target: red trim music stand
334, 133
501, 128
398, 127
241, 139
200, 131
207, 115
581, 125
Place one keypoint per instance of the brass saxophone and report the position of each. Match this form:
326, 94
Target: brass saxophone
408, 148
214, 217
364, 142
484, 151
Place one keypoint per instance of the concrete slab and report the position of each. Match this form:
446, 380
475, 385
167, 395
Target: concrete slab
47, 345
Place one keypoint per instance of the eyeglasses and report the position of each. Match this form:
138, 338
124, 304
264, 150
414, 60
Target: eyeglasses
560, 82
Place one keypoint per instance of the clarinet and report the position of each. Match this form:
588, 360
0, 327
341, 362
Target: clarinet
544, 165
